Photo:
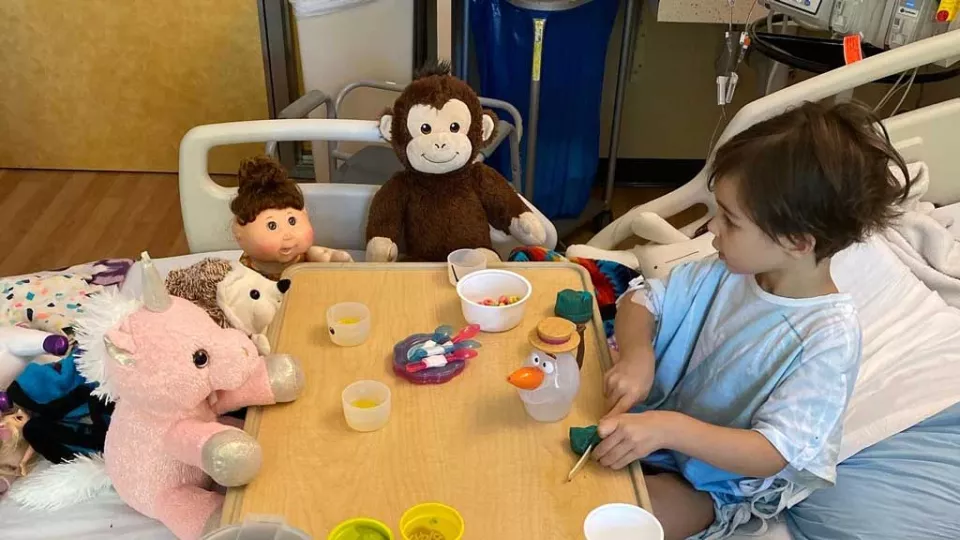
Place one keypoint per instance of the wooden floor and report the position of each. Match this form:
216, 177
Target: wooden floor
52, 219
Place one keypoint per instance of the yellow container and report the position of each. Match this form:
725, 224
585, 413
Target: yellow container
431, 521
361, 529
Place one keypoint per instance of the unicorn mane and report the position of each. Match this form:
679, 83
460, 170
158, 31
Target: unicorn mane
102, 312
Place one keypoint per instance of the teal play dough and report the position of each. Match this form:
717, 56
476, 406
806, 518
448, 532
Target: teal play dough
582, 437
575, 306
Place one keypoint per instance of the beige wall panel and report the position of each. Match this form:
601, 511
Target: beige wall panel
114, 85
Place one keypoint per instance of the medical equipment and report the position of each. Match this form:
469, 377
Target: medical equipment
885, 24
947, 10
736, 46
812, 12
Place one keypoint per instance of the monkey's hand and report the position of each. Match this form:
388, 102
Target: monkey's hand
323, 254
528, 230
380, 249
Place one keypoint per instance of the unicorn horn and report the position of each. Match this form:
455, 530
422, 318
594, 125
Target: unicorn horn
155, 296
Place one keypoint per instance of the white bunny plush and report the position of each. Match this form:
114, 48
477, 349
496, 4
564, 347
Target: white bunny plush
666, 247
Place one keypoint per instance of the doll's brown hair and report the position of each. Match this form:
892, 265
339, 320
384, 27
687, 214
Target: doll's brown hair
263, 185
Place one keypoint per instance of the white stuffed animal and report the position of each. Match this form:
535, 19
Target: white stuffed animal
250, 301
232, 294
666, 247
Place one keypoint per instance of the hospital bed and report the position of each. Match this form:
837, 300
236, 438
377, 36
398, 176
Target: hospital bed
338, 211
903, 322
901, 309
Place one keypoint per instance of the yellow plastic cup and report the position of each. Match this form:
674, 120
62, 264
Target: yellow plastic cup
361, 529
431, 521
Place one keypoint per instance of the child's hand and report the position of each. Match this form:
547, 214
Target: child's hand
629, 437
629, 380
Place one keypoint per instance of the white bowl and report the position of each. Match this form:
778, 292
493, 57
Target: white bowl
620, 521
476, 286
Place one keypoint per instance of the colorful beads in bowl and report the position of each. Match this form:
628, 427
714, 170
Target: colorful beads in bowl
504, 300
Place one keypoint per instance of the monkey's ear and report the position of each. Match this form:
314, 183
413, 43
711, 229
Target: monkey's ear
488, 126
386, 121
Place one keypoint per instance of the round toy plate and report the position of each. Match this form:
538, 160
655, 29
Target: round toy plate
437, 375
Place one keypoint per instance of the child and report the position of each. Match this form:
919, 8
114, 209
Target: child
743, 364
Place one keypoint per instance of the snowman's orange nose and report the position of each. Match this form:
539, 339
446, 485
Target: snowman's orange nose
527, 378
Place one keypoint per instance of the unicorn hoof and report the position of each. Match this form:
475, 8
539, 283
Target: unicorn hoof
232, 458
286, 377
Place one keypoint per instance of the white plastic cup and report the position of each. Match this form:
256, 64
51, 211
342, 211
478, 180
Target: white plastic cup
493, 284
366, 405
348, 324
620, 521
462, 262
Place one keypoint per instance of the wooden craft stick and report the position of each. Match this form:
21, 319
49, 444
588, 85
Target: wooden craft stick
583, 460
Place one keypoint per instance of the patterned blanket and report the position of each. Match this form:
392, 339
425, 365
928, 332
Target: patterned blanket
610, 279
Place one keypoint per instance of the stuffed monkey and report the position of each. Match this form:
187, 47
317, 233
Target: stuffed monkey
444, 199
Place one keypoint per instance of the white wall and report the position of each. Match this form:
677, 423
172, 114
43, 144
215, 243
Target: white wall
370, 41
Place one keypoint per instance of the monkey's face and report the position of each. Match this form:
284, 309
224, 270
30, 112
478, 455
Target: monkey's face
438, 137
437, 125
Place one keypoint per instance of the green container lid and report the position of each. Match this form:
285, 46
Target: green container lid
574, 306
361, 529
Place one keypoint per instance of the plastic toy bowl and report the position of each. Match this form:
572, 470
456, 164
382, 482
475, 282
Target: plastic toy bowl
361, 529
475, 287
431, 521
366, 405
620, 521
438, 375
263, 528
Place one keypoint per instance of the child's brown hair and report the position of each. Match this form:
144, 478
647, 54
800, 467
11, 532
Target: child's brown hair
263, 185
816, 170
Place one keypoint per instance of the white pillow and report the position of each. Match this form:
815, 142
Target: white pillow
911, 354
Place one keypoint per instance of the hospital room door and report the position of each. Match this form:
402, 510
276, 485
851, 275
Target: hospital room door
114, 85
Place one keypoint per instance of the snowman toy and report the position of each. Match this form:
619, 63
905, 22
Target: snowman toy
549, 378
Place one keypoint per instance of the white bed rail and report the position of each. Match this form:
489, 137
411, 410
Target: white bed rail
338, 211
828, 84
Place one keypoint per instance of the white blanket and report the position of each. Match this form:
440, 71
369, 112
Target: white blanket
930, 251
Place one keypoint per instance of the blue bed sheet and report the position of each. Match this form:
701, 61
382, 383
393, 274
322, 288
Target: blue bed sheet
904, 488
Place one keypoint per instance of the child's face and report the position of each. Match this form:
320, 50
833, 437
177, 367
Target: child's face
276, 235
744, 247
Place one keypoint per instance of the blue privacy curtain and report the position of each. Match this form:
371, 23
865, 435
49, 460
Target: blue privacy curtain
574, 52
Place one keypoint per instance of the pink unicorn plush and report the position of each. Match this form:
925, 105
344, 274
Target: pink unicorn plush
172, 371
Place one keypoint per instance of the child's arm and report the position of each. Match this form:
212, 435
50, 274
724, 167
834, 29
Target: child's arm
629, 437
629, 381
792, 427
741, 451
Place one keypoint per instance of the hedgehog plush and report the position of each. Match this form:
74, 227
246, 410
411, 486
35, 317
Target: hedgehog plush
232, 294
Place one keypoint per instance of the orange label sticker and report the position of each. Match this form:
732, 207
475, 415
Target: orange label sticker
852, 51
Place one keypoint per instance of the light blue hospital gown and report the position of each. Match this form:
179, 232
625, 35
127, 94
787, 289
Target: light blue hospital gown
731, 354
